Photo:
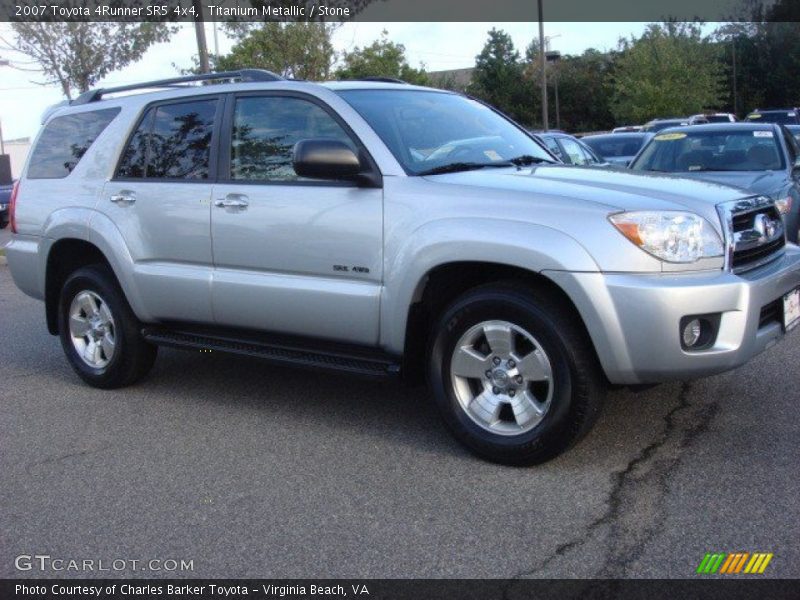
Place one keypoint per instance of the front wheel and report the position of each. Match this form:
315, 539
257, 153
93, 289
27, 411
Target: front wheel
99, 332
513, 374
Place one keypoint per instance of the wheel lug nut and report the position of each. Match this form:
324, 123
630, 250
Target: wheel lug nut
511, 364
488, 374
518, 378
512, 393
495, 390
496, 360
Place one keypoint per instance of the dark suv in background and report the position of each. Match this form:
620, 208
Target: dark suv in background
5, 199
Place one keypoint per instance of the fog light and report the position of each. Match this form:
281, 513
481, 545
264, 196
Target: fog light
692, 332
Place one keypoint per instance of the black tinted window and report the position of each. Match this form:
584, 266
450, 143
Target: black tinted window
65, 140
135, 156
173, 141
265, 130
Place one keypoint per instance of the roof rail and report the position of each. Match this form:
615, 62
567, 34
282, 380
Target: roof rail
380, 79
242, 74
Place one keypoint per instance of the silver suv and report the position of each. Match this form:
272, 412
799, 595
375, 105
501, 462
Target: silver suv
379, 228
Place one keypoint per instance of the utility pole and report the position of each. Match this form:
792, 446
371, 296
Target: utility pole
200, 32
553, 57
545, 124
735, 86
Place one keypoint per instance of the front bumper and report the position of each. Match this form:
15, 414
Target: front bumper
634, 319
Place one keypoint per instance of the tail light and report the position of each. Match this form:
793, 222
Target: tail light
12, 205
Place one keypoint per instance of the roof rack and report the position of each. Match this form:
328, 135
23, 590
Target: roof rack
242, 74
380, 79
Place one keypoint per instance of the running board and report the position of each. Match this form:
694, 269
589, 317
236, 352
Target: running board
365, 362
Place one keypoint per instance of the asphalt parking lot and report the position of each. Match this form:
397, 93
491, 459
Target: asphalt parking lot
254, 471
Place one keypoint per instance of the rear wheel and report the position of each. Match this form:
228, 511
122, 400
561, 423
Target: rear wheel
99, 332
514, 375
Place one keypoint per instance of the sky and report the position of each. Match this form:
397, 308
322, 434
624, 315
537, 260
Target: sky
438, 46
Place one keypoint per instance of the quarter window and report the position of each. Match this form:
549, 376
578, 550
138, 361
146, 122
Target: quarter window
65, 140
173, 141
265, 130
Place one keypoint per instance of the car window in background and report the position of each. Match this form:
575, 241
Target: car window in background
576, 154
773, 116
614, 145
265, 130
553, 146
426, 130
741, 150
65, 140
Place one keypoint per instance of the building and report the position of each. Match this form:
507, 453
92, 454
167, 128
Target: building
18, 151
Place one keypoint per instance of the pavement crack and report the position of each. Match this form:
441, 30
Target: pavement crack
57, 458
635, 507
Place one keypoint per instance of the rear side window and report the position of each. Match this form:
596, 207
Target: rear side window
65, 140
173, 141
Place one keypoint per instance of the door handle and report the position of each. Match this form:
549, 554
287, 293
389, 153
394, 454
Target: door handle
123, 198
232, 201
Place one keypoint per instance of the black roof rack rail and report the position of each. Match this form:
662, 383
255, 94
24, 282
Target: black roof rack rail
380, 79
242, 74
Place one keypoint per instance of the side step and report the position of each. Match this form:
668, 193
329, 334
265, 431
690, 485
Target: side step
283, 351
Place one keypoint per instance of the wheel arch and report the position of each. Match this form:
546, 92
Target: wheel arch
443, 284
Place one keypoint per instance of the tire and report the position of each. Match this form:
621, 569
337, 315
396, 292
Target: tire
120, 356
541, 406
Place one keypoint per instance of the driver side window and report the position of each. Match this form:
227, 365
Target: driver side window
265, 130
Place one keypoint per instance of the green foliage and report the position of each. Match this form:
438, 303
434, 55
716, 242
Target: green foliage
301, 50
672, 70
584, 89
499, 78
76, 55
382, 58
766, 59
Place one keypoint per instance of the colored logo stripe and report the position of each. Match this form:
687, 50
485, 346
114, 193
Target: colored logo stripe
733, 563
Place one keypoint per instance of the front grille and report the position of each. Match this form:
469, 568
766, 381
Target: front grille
753, 257
758, 234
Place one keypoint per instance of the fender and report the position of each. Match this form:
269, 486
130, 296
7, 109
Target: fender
437, 243
96, 228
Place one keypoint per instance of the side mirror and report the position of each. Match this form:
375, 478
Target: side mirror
325, 159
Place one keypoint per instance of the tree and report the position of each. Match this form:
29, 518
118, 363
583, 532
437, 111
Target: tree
382, 58
672, 70
763, 49
584, 91
499, 78
300, 50
78, 54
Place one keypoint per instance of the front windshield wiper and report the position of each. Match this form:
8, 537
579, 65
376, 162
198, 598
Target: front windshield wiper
463, 166
527, 159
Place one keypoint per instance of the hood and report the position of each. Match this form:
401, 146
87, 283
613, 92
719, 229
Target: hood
616, 189
752, 182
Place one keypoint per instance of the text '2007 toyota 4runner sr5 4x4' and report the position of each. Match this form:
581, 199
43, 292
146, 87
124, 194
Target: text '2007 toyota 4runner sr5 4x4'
381, 228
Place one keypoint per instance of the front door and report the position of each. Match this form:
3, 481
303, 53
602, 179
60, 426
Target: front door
292, 255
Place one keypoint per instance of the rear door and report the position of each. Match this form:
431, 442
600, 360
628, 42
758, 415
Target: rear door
160, 199
292, 255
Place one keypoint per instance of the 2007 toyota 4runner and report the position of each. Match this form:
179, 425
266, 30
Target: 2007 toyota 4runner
380, 228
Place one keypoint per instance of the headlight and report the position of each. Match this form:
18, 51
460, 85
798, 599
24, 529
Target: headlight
677, 237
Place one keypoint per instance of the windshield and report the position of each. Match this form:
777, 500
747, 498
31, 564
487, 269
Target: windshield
615, 146
720, 150
654, 126
774, 116
431, 132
